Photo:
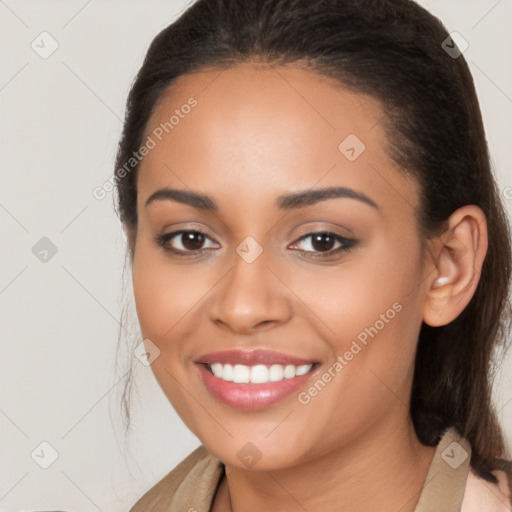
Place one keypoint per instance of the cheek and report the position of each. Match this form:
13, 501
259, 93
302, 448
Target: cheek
151, 292
163, 293
164, 299
369, 310
168, 299
366, 288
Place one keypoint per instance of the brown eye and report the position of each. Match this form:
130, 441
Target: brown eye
323, 243
192, 240
184, 241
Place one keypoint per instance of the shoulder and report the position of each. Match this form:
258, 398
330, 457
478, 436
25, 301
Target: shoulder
452, 485
199, 472
482, 496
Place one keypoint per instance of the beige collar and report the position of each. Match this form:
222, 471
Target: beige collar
443, 490
449, 486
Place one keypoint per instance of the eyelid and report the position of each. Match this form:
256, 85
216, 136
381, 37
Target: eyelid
345, 244
163, 240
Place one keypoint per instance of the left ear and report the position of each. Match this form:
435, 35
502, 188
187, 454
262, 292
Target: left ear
461, 251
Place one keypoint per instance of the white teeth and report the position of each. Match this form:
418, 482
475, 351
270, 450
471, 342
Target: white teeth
216, 369
241, 374
257, 374
276, 373
227, 372
289, 371
302, 370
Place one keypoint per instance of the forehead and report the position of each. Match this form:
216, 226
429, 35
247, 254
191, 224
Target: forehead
265, 129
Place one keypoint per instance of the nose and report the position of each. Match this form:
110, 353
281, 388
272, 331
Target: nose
250, 298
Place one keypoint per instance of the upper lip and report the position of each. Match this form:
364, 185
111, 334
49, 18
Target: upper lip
252, 357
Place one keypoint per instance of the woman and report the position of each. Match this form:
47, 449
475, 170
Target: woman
320, 258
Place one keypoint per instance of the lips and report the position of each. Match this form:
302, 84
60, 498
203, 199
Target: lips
244, 395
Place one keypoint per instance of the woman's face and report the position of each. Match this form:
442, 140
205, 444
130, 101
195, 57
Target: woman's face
334, 279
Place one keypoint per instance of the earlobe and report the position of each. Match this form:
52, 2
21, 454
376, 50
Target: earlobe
461, 251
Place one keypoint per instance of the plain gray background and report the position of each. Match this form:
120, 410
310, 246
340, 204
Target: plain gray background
60, 123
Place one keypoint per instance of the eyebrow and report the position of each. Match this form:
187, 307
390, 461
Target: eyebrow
284, 202
309, 197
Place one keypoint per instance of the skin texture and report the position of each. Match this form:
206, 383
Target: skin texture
256, 133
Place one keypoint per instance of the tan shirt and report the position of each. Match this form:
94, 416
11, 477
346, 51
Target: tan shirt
450, 485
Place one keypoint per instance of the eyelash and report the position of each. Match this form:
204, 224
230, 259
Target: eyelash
346, 243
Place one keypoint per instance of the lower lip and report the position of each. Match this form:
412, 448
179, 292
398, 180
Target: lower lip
252, 396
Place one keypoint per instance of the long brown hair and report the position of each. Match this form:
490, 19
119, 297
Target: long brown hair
394, 51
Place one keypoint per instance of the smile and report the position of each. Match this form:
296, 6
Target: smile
257, 374
253, 379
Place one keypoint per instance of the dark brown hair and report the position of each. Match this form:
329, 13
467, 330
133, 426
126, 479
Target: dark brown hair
391, 50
